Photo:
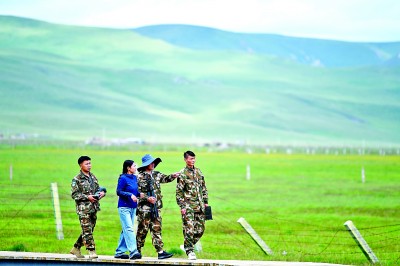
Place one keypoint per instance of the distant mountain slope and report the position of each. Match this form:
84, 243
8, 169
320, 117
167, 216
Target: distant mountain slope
66, 82
314, 52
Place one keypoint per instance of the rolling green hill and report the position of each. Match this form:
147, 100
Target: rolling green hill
68, 82
315, 52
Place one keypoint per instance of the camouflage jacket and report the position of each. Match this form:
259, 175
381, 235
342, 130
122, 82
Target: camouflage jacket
81, 187
191, 190
146, 181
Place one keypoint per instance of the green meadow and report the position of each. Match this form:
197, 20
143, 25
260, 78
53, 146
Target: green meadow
297, 203
120, 84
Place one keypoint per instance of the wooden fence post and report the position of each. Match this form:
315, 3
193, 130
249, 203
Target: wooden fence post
361, 242
255, 236
57, 211
362, 175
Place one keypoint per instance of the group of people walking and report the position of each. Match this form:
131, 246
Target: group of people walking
139, 192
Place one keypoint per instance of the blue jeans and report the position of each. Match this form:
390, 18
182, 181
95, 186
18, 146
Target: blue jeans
127, 239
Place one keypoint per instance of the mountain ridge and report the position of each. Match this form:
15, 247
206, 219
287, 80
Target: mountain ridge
69, 82
302, 50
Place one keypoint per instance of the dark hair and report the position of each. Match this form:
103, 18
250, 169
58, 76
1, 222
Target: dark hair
188, 153
83, 158
127, 163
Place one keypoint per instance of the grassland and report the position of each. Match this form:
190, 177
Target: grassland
297, 203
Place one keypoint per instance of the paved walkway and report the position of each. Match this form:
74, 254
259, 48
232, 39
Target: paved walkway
59, 258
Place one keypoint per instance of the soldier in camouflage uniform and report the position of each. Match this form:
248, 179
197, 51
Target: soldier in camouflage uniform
86, 192
150, 204
192, 198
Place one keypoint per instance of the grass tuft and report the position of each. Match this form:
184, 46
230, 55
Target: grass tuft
18, 247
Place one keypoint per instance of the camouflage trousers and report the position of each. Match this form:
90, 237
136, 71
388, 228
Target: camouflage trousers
145, 222
193, 228
88, 222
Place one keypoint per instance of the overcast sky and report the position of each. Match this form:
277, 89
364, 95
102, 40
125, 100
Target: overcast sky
349, 20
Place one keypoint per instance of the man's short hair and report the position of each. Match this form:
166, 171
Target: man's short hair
188, 153
83, 158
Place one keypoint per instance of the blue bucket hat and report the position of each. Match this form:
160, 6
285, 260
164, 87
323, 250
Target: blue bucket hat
147, 160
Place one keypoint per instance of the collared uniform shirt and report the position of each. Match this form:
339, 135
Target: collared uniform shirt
155, 178
191, 190
81, 187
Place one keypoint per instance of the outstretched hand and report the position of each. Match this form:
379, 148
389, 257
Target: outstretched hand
175, 175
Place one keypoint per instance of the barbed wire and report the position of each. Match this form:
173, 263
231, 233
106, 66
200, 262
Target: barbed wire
331, 236
375, 227
29, 199
381, 233
321, 229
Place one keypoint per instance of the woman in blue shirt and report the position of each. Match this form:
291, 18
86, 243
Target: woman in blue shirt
127, 191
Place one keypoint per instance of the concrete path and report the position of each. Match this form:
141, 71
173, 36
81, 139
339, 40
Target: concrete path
31, 257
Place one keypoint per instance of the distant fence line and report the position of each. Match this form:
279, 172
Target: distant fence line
312, 149
334, 150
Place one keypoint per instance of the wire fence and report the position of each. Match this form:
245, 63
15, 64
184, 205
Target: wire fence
28, 210
276, 147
